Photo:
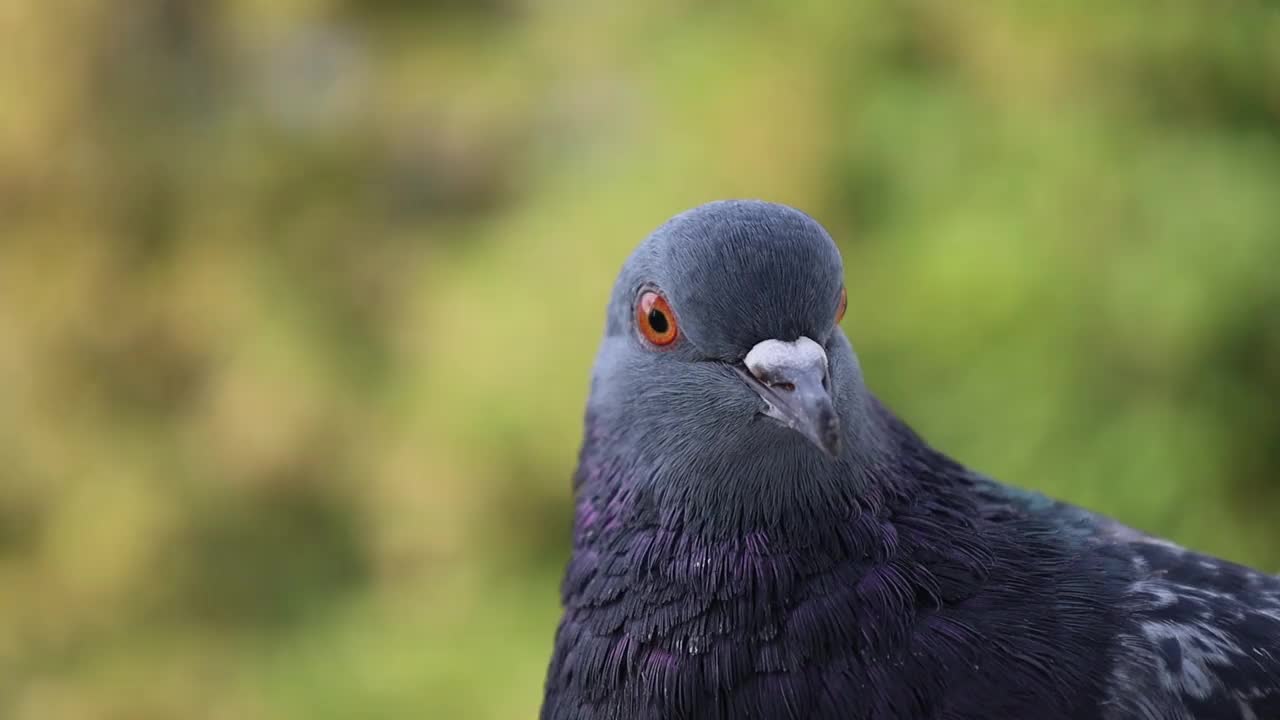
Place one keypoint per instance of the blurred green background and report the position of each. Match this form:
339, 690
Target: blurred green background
298, 300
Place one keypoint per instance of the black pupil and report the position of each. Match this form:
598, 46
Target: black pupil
658, 321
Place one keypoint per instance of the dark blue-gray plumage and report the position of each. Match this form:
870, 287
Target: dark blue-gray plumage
757, 537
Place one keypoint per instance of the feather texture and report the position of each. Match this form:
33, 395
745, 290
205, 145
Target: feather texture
724, 568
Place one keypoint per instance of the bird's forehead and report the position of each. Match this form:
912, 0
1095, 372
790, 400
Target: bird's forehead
741, 233
741, 271
769, 247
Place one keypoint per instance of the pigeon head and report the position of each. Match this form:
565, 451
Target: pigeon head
724, 380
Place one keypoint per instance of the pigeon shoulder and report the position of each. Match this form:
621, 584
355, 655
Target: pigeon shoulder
1201, 635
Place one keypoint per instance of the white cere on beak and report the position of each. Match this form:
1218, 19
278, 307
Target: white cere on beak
774, 360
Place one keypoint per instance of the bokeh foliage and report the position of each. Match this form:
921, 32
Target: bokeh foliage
298, 302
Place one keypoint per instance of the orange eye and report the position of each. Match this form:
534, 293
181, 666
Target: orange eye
654, 318
842, 305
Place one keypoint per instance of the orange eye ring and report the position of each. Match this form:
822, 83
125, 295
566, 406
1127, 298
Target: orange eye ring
654, 318
842, 305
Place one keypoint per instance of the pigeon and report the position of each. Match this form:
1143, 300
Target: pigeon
757, 536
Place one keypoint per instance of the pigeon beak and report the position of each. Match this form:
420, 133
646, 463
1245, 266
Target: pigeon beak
792, 379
